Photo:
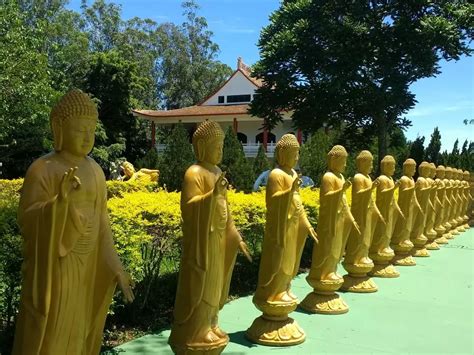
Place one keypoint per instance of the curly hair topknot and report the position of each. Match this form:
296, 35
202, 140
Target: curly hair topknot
287, 141
409, 161
337, 151
440, 168
364, 155
75, 103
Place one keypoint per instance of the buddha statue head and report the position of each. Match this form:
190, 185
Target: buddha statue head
208, 142
440, 172
128, 169
424, 169
337, 158
364, 162
460, 174
466, 175
287, 151
432, 170
387, 165
448, 173
409, 167
73, 121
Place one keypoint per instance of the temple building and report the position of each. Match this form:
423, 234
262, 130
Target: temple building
228, 106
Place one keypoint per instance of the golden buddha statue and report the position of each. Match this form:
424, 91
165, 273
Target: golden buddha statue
471, 200
467, 199
210, 244
70, 266
451, 192
142, 175
334, 225
440, 206
448, 206
460, 198
356, 260
285, 233
400, 242
422, 190
429, 231
380, 251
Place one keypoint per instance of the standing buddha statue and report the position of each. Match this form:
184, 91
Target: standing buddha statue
334, 225
286, 229
429, 232
440, 206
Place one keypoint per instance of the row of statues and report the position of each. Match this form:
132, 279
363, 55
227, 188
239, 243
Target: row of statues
71, 267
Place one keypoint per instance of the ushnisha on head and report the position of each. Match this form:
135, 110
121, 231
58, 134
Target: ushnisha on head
424, 169
337, 158
387, 165
440, 172
364, 162
287, 151
208, 141
75, 111
409, 167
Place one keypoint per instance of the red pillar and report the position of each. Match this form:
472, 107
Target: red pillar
299, 136
235, 126
265, 138
153, 134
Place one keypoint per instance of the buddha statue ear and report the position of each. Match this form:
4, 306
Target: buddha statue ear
57, 135
201, 150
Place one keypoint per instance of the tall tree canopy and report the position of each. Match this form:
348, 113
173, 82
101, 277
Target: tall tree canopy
351, 63
433, 149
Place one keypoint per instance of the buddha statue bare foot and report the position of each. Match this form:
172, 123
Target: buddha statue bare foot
219, 332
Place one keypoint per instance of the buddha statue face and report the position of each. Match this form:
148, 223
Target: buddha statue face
432, 170
73, 121
78, 135
424, 169
208, 142
365, 162
409, 167
448, 173
128, 169
287, 151
440, 172
337, 159
387, 165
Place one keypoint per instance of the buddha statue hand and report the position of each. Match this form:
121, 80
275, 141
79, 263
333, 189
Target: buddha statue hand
220, 188
69, 183
296, 183
356, 227
245, 250
347, 184
375, 183
126, 284
313, 234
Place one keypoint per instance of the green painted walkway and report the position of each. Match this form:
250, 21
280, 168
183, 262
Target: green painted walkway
428, 309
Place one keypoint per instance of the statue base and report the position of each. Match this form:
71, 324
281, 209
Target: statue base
420, 252
432, 245
441, 240
448, 235
467, 226
403, 260
215, 348
385, 271
358, 284
275, 331
461, 229
330, 303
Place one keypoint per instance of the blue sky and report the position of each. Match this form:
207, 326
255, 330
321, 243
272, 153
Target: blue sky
443, 101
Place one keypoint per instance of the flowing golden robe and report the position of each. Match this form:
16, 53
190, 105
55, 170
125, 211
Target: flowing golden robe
68, 276
407, 203
419, 220
210, 243
440, 209
285, 233
333, 228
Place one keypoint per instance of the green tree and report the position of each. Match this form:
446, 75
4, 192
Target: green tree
261, 163
176, 158
313, 155
417, 150
238, 170
453, 158
188, 66
352, 63
27, 93
434, 147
